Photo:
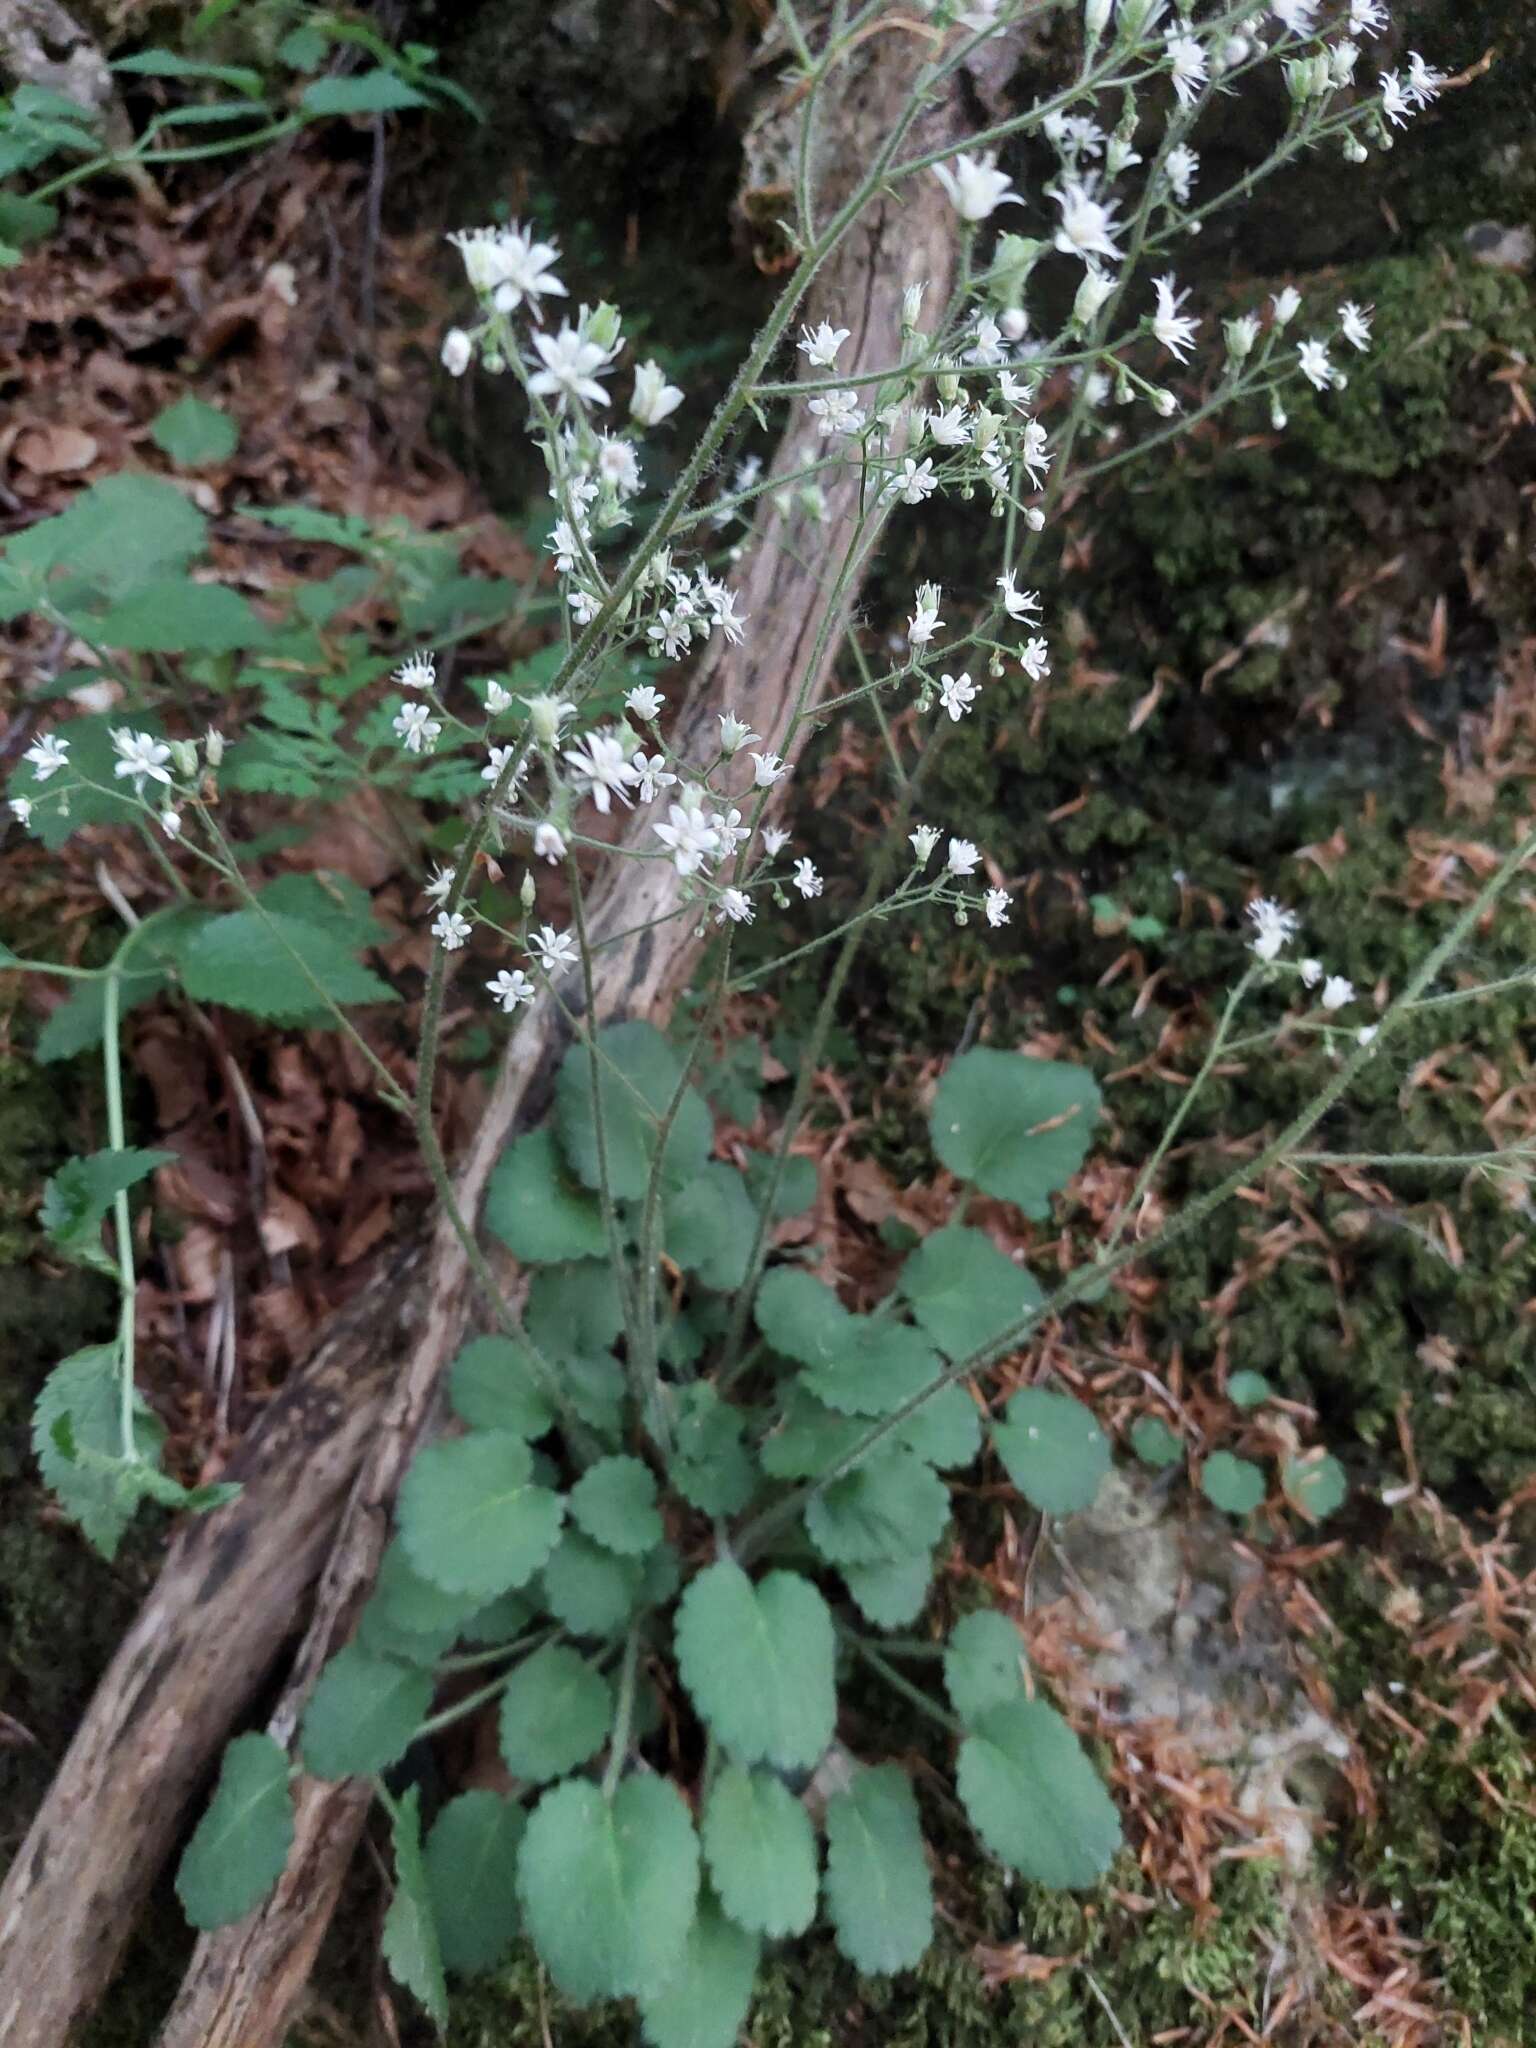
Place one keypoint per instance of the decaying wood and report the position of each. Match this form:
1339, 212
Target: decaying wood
198, 1651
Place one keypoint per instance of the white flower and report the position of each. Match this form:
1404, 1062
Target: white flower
617, 464
450, 928
769, 770
644, 703
566, 543
1175, 330
21, 810
213, 745
511, 987
1342, 59
729, 828
491, 772
1367, 17
571, 363
1366, 1034
497, 699
602, 768
48, 755
457, 352
775, 839
1241, 335
1011, 391
1087, 226
1035, 456
837, 412
925, 620
923, 841
1315, 366
806, 879
734, 735
976, 187
1013, 322
996, 906
142, 756
548, 844
1034, 519
651, 775
1034, 658
1096, 287
1287, 304
1396, 103
546, 715
916, 482
439, 884
672, 631
1337, 991
1424, 81
1187, 67
964, 857
1298, 16
949, 425
1355, 324
654, 398
820, 348
170, 822
1181, 166
988, 346
1311, 972
507, 264
419, 672
734, 907
723, 613
691, 836
1018, 604
417, 729
584, 606
1273, 926
957, 694
553, 950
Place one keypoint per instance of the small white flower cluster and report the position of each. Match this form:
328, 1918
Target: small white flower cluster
150, 763
1274, 927
962, 859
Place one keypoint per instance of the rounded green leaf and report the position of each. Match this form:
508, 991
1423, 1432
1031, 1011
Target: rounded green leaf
711, 1467
1154, 1442
241, 1843
193, 433
878, 1891
1234, 1485
800, 1316
1035, 1799
608, 1889
410, 1941
709, 1226
883, 1509
982, 1663
637, 1076
406, 1616
761, 1852
492, 1384
1248, 1389
591, 1590
362, 1713
891, 1592
1054, 1451
965, 1292
879, 1366
574, 1311
536, 1210
471, 1867
471, 1518
704, 2001
555, 1713
758, 1662
614, 1501
1314, 1484
1017, 1128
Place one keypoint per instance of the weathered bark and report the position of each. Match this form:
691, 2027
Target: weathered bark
111, 1817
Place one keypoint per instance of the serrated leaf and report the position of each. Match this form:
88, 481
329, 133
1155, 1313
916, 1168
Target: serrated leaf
608, 1890
1248, 1389
892, 1592
574, 1311
1154, 1442
268, 963
758, 1663
711, 1467
877, 1886
800, 1317
78, 1196
1015, 1127
709, 1226
536, 1210
555, 1713
1034, 1797
366, 92
81, 1402
879, 1367
981, 1663
123, 532
808, 1438
471, 1517
965, 1292
638, 1072
493, 1384
884, 1508
1235, 1485
410, 1939
471, 1869
614, 1501
362, 1713
1054, 1451
761, 1852
406, 1616
192, 432
797, 1183
704, 2001
1314, 1484
589, 1589
241, 1844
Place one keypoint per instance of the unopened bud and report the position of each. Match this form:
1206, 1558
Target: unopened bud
184, 754
528, 890
605, 325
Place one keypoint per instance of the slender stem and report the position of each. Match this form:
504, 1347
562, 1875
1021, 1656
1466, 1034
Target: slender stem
121, 1223
471, 1703
618, 1745
923, 1701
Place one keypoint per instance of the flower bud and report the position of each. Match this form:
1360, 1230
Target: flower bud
1241, 334
948, 383
604, 326
457, 352
184, 754
1013, 323
213, 746
1096, 287
528, 891
912, 304
1096, 15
